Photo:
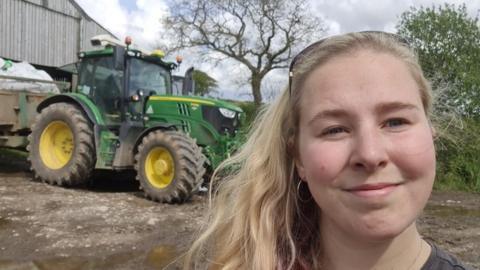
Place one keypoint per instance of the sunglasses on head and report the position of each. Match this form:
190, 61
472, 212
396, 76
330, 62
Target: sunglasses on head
302, 54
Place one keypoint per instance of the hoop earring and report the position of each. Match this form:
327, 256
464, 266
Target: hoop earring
298, 193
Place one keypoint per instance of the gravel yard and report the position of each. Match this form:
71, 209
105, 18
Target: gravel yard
109, 225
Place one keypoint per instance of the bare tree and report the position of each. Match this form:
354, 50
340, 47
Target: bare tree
260, 34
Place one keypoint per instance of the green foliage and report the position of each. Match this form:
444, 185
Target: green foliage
204, 84
448, 43
458, 157
231, 146
250, 111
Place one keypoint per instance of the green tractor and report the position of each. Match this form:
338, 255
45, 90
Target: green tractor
121, 115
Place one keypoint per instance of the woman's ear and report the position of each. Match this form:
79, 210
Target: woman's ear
292, 151
300, 169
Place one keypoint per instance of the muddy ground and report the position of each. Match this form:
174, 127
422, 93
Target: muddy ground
109, 225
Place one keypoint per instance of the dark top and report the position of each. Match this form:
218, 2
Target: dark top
440, 260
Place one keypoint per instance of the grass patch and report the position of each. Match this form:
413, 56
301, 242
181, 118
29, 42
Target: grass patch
458, 158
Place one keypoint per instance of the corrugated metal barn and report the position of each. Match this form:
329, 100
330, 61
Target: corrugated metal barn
47, 33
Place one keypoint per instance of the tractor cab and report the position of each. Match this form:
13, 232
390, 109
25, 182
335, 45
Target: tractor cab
119, 79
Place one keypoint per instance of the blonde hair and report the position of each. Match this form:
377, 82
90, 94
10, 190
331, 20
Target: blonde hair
260, 218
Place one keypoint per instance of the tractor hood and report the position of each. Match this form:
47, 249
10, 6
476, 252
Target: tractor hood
200, 101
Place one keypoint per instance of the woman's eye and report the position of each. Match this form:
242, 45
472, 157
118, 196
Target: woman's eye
333, 131
395, 122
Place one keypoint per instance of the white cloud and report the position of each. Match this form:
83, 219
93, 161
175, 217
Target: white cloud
146, 21
350, 15
142, 23
354, 15
108, 13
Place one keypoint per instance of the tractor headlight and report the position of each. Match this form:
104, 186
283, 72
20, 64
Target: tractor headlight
227, 113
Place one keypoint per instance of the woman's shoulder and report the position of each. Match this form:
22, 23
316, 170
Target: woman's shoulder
441, 260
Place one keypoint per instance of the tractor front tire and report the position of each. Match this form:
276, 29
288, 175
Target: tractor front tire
169, 165
61, 146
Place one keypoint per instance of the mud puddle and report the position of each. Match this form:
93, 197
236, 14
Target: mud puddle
160, 257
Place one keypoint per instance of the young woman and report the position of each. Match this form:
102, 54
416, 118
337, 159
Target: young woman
336, 171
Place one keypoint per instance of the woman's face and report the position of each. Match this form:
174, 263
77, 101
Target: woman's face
365, 145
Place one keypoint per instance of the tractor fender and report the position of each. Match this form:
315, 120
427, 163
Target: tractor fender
91, 111
157, 126
69, 99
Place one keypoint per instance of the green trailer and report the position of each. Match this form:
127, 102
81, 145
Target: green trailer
121, 115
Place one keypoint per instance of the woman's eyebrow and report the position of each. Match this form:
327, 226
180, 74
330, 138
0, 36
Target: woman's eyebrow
394, 106
381, 108
333, 113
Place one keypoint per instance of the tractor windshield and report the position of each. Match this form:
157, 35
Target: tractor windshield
149, 77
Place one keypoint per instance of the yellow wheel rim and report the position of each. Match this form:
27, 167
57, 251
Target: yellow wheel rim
56, 145
159, 167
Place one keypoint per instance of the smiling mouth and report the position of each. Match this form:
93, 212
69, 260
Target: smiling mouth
373, 190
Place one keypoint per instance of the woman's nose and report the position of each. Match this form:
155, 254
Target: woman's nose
369, 151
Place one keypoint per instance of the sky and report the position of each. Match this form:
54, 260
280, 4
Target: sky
140, 19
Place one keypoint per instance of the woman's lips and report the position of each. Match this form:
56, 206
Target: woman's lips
373, 190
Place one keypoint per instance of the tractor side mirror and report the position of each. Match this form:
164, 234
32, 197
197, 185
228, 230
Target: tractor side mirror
188, 87
118, 57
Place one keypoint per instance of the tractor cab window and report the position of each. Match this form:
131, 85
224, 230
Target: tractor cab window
99, 80
148, 77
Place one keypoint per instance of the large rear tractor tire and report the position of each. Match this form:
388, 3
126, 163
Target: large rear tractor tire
61, 146
169, 165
